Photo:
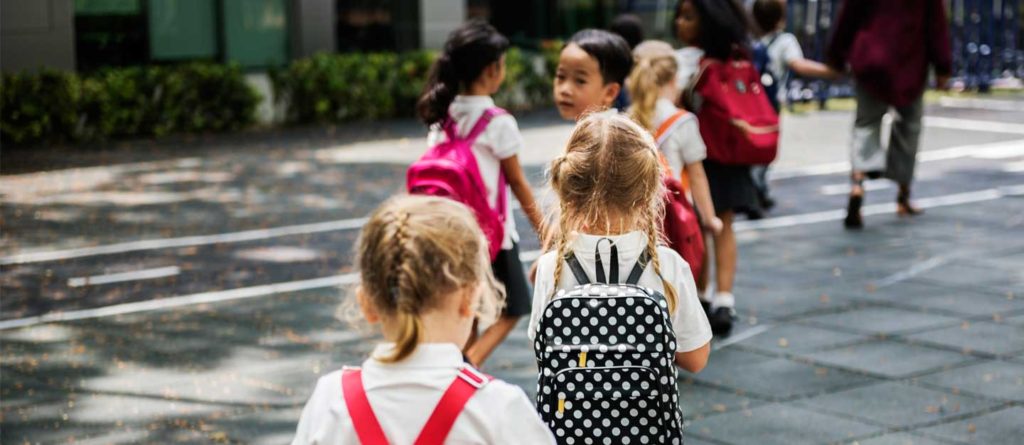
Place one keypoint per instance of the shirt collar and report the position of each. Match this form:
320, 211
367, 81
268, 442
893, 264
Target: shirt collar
474, 100
628, 244
426, 355
664, 106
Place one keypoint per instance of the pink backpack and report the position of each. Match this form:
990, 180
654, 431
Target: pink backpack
449, 169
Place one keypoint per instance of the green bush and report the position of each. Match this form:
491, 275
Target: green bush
125, 102
330, 88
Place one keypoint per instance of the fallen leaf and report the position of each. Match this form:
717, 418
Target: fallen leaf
783, 342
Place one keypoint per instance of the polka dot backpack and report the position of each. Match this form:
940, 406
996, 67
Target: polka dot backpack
606, 354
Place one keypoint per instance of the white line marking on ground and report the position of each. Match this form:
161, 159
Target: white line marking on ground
528, 256
184, 300
844, 188
973, 125
911, 272
981, 104
743, 336
135, 275
186, 241
1014, 167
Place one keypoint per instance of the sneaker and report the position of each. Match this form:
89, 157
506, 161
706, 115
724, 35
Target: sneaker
721, 320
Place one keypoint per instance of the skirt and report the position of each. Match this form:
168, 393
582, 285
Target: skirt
508, 269
732, 188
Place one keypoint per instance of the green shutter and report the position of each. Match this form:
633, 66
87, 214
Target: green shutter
182, 29
108, 7
256, 32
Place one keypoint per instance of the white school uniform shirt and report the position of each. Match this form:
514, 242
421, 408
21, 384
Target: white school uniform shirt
688, 321
688, 60
499, 141
404, 394
683, 145
784, 49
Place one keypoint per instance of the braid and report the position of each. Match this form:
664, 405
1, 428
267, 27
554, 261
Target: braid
562, 247
653, 235
400, 238
403, 292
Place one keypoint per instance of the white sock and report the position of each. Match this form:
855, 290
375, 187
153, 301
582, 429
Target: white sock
723, 299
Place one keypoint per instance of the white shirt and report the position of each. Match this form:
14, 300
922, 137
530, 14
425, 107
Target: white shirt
688, 59
783, 50
683, 145
499, 141
688, 321
404, 394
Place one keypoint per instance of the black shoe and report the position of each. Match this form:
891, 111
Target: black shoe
721, 320
755, 215
706, 306
767, 202
853, 218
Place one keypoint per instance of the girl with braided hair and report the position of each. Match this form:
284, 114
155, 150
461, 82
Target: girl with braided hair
610, 187
425, 276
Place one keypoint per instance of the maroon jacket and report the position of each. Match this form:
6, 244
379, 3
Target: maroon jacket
889, 45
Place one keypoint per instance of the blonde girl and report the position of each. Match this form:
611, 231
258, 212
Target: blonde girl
652, 86
424, 277
609, 185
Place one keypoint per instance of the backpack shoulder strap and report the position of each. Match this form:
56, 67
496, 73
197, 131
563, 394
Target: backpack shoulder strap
485, 119
441, 421
638, 269
363, 419
577, 269
669, 126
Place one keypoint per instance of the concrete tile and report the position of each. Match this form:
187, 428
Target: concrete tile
995, 379
1000, 427
782, 424
881, 320
887, 358
956, 300
899, 439
780, 378
964, 273
897, 404
790, 338
699, 401
999, 339
786, 302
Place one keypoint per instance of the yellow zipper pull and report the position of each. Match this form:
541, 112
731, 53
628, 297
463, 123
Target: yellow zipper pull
561, 406
583, 359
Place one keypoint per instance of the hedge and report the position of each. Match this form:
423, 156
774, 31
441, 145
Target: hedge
55, 106
332, 88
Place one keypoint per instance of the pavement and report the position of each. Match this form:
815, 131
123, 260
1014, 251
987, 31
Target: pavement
188, 290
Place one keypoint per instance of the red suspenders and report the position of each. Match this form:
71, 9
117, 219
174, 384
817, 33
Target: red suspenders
440, 422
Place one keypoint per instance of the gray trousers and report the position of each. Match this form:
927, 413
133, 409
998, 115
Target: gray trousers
866, 151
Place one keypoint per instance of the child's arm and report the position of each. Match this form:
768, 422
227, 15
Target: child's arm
695, 360
521, 188
702, 196
811, 68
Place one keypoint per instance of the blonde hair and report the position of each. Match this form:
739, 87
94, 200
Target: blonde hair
654, 67
609, 169
415, 250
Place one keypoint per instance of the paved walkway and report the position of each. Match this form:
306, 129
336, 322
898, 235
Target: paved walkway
193, 299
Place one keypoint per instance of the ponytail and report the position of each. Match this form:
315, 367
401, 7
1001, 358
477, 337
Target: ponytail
439, 92
643, 87
410, 330
467, 52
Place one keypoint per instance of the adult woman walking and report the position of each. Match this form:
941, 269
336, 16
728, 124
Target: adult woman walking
889, 46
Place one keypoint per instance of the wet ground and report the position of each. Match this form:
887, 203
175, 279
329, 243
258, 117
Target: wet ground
193, 297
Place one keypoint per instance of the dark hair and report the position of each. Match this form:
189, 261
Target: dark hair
467, 52
629, 27
768, 14
724, 28
613, 55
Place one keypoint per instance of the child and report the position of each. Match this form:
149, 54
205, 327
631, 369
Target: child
424, 275
631, 28
784, 55
592, 69
471, 68
611, 192
654, 92
717, 29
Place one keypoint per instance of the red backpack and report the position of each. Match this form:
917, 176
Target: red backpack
737, 121
681, 226
449, 169
438, 425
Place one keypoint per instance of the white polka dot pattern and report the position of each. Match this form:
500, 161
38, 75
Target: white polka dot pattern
606, 355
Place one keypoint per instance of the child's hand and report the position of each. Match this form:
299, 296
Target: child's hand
716, 225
